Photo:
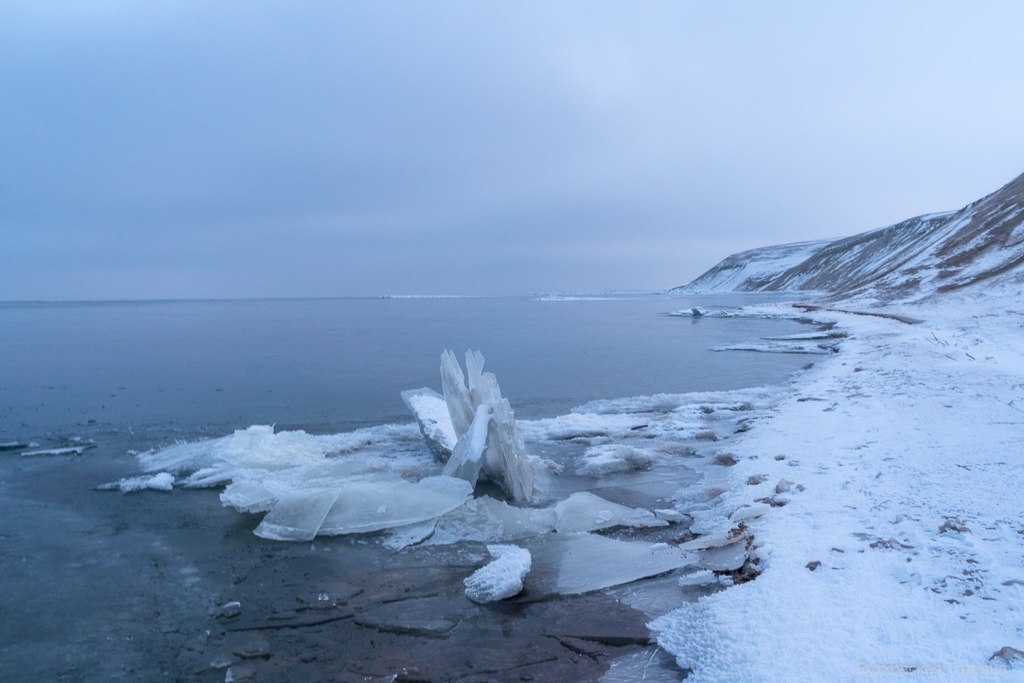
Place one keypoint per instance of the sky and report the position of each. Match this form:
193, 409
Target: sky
233, 149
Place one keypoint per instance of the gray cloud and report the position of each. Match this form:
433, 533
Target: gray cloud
225, 149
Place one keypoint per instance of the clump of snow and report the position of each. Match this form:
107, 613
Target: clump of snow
162, 481
502, 578
601, 460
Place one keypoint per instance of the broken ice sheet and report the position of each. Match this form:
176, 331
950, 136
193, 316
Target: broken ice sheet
568, 564
298, 513
487, 520
583, 511
373, 504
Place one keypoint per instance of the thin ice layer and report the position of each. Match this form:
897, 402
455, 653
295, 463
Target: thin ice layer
583, 511
568, 564
297, 514
372, 504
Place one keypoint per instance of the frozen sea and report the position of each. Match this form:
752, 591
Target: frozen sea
104, 586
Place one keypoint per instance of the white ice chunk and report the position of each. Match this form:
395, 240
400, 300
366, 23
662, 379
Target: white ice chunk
468, 455
583, 511
435, 423
297, 514
568, 564
68, 450
216, 461
163, 481
601, 460
501, 578
358, 507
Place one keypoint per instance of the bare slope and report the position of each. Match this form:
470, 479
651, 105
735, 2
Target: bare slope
910, 260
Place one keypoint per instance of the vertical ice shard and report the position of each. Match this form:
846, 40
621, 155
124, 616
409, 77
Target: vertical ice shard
505, 460
456, 395
431, 412
468, 455
488, 441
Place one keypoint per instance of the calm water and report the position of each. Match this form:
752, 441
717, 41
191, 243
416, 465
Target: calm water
332, 364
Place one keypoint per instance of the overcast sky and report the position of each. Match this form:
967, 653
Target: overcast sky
247, 149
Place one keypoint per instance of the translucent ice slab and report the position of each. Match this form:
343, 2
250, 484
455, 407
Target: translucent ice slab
568, 564
372, 504
297, 513
584, 511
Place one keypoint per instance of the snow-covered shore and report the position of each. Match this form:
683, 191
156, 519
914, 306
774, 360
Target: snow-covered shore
904, 555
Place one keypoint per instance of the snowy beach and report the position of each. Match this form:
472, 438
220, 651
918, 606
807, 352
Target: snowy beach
901, 556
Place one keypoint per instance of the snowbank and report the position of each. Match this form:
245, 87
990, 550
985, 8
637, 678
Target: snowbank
902, 555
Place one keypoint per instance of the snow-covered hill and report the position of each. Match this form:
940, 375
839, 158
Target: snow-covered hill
910, 260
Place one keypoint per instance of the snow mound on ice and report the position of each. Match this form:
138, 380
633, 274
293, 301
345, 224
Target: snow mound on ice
503, 577
163, 481
601, 460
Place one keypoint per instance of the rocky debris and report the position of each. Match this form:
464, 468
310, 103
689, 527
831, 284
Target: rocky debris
890, 544
724, 459
1011, 656
757, 479
784, 486
813, 565
954, 524
706, 435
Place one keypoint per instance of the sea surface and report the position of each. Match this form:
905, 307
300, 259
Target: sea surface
334, 364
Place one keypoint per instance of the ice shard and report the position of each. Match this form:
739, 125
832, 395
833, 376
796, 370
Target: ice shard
488, 443
468, 456
297, 514
431, 412
505, 460
456, 395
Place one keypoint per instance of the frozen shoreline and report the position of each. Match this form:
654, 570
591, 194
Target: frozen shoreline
903, 554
